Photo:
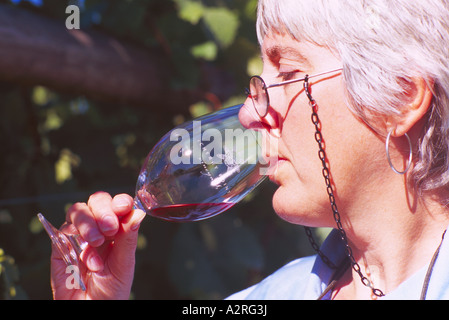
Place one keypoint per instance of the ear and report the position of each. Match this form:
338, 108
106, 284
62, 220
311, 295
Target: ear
417, 103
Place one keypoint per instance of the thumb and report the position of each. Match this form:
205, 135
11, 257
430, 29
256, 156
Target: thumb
122, 256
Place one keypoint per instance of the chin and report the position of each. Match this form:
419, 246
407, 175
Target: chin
298, 210
287, 207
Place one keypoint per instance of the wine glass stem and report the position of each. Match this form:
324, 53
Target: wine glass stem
69, 247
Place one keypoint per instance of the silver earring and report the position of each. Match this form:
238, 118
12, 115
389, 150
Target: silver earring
387, 148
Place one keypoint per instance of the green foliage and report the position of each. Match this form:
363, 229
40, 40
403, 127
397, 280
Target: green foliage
9, 277
223, 24
58, 149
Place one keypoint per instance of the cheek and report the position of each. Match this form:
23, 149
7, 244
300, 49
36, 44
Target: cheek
302, 197
299, 137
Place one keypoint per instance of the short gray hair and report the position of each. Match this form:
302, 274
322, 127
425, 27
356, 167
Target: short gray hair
382, 44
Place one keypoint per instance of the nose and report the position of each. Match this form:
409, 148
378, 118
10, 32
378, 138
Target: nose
269, 139
250, 119
248, 116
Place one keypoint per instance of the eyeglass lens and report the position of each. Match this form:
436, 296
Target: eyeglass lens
259, 96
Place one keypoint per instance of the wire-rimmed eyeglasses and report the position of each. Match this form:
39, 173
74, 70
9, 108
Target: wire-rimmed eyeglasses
258, 91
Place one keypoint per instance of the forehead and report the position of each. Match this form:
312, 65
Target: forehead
276, 44
282, 46
283, 51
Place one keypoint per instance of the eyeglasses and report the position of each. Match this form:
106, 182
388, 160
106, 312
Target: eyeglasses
258, 91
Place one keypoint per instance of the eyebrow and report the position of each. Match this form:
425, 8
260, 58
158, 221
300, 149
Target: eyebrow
274, 54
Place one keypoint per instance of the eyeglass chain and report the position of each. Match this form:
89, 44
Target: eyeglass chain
330, 191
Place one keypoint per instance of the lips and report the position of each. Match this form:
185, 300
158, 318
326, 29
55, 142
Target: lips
275, 166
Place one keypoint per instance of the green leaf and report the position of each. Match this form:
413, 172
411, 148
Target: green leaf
207, 51
53, 121
35, 226
250, 9
63, 167
191, 11
41, 95
198, 109
255, 66
223, 24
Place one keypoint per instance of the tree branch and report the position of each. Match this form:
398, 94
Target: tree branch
35, 50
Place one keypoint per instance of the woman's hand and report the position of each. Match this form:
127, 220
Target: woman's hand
110, 227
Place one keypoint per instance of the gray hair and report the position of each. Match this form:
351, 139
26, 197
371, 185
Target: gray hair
382, 44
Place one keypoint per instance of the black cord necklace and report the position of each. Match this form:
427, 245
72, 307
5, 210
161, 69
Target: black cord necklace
330, 191
425, 286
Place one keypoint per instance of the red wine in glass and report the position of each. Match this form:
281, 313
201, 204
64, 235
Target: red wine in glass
189, 212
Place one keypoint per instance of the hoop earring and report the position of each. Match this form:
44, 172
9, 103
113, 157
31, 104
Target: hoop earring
387, 148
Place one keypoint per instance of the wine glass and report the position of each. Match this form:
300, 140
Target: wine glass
196, 171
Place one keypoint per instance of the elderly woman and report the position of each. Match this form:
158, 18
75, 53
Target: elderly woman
356, 93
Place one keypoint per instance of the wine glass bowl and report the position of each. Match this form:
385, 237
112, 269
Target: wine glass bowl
201, 168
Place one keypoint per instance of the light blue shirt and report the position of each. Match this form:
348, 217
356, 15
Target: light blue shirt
307, 278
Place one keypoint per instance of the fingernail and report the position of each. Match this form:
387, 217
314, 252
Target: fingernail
94, 236
137, 219
108, 223
121, 202
95, 263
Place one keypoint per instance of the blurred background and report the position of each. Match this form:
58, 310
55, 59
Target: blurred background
81, 108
